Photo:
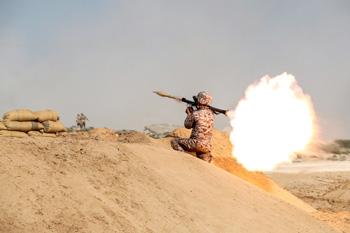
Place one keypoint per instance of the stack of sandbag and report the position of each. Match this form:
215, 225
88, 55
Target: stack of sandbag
47, 115
2, 126
50, 121
24, 122
17, 123
5, 132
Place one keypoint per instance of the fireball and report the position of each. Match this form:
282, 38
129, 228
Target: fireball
273, 120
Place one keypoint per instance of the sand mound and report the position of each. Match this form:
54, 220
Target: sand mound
67, 185
103, 134
131, 136
222, 153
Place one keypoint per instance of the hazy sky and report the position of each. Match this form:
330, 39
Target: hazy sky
104, 58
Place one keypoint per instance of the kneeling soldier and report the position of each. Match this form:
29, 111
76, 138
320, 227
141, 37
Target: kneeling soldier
202, 122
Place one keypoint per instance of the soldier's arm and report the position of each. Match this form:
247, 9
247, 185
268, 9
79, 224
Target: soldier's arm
189, 121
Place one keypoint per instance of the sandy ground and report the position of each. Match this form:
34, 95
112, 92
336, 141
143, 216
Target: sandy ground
83, 183
314, 166
325, 185
222, 153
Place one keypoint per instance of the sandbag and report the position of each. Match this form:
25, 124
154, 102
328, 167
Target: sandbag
23, 126
53, 127
39, 134
6, 133
20, 115
47, 115
2, 126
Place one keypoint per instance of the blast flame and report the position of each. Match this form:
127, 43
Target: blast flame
273, 120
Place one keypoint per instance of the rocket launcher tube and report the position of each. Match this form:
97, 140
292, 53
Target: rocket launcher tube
190, 102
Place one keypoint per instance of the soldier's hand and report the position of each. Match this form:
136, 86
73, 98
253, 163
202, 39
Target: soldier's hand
189, 110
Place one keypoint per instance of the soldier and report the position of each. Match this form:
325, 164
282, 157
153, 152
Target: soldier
81, 121
201, 121
78, 121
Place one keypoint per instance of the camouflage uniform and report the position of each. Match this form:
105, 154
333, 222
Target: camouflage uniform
201, 121
81, 120
78, 121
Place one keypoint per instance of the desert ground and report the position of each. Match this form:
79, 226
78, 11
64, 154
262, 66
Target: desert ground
126, 181
325, 185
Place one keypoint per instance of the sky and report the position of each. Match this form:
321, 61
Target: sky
104, 58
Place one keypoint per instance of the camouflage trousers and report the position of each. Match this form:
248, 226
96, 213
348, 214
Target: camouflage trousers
202, 150
81, 124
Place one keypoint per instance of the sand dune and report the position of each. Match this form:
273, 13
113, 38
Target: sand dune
222, 152
67, 184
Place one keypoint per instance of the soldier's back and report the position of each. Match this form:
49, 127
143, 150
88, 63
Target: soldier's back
203, 125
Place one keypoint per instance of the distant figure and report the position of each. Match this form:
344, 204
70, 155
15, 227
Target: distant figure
81, 121
202, 122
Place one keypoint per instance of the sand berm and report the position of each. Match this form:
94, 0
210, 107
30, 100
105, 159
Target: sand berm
88, 184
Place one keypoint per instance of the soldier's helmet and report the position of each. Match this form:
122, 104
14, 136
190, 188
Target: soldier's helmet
204, 98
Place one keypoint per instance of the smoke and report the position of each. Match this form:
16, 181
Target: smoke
274, 119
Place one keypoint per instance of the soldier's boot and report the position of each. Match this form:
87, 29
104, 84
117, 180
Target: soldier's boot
206, 157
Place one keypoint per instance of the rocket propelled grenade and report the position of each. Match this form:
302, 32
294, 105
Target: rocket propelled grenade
191, 102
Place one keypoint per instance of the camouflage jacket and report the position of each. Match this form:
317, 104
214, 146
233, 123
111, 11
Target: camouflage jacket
202, 122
